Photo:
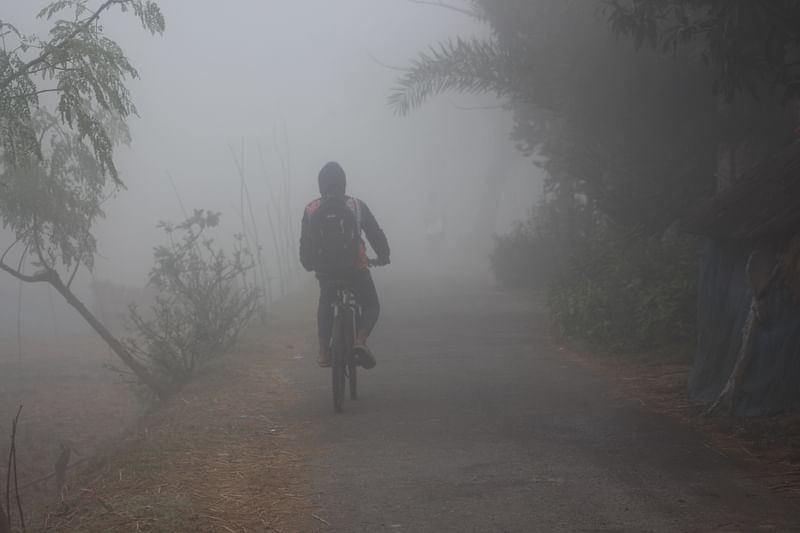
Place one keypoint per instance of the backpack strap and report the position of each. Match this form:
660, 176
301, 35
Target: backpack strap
355, 206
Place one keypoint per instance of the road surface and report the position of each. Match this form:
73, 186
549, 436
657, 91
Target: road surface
471, 421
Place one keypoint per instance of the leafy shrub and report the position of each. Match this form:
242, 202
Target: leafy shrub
526, 257
625, 290
203, 304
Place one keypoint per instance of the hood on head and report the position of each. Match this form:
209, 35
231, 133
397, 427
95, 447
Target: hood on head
332, 179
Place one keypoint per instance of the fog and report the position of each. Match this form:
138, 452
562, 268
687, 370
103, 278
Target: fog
305, 82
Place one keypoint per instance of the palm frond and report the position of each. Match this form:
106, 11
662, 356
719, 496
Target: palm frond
467, 66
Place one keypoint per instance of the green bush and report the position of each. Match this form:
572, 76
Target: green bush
624, 290
204, 301
526, 256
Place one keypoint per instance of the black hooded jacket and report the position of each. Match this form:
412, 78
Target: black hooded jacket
332, 183
366, 222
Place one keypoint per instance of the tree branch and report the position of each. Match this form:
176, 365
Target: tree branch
38, 247
13, 244
36, 93
5, 82
12, 465
385, 65
36, 278
16, 478
22, 257
51, 475
75, 271
444, 5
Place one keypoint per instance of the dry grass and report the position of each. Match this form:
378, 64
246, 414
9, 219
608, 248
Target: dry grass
218, 458
68, 396
771, 442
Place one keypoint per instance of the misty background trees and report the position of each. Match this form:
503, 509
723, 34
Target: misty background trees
635, 110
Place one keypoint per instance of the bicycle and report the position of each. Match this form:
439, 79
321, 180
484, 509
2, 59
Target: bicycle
344, 366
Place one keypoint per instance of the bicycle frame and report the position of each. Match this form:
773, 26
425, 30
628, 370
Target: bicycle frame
343, 364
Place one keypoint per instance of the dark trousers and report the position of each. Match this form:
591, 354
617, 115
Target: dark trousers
366, 296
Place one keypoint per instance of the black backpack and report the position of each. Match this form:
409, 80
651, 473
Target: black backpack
335, 235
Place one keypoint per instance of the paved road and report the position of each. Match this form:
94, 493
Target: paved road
470, 422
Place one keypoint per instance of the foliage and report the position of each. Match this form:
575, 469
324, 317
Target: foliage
79, 63
52, 204
629, 134
623, 289
526, 256
204, 301
623, 128
468, 66
55, 165
751, 45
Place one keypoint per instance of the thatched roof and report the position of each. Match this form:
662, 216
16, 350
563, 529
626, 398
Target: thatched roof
764, 201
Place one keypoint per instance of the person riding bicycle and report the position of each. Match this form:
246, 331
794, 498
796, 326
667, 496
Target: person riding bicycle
331, 246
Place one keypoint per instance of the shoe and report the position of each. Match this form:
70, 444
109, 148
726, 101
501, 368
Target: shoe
364, 357
324, 359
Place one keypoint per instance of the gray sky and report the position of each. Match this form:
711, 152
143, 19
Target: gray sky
231, 73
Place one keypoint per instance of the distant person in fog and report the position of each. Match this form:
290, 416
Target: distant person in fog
434, 219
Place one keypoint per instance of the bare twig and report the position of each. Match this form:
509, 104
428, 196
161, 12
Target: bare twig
271, 222
61, 466
22, 257
36, 93
8, 482
386, 65
16, 477
439, 3
75, 271
3, 257
12, 467
41, 276
294, 266
19, 322
51, 475
177, 195
280, 218
239, 160
5, 525
315, 517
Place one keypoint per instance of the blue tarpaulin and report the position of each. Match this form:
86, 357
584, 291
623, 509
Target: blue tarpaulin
772, 381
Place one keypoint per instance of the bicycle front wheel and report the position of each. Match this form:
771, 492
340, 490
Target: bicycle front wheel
349, 329
338, 365
352, 371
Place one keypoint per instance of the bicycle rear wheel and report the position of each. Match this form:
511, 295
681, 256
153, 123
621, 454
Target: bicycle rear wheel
353, 378
338, 364
352, 367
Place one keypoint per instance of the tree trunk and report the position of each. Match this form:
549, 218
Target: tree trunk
116, 346
493, 185
565, 202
